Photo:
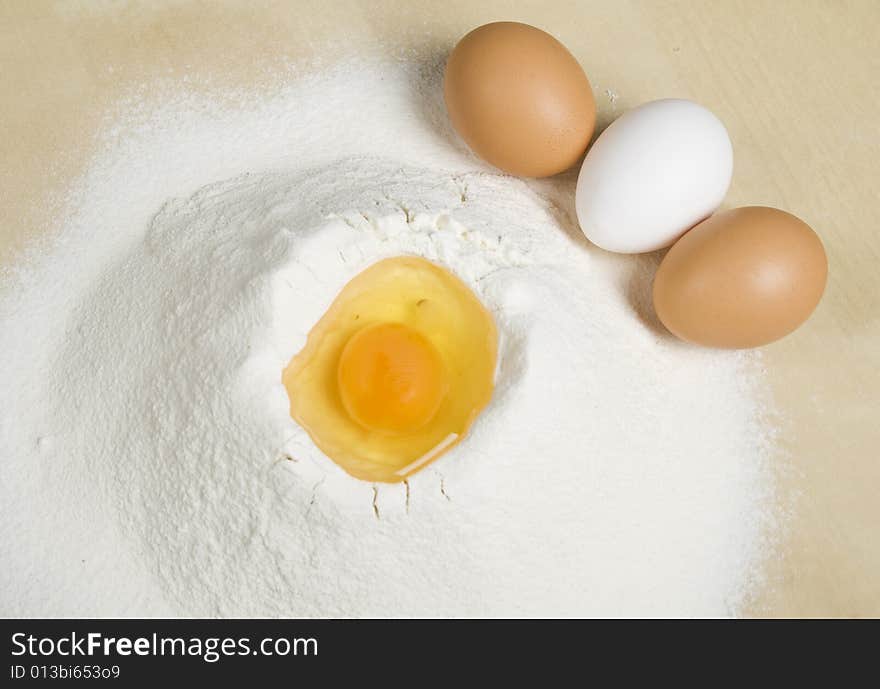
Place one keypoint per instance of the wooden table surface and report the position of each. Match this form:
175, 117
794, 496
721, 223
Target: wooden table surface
796, 82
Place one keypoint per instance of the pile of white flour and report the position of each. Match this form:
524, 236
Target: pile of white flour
149, 464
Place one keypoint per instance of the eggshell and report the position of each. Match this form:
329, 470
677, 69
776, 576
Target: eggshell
742, 278
653, 173
519, 99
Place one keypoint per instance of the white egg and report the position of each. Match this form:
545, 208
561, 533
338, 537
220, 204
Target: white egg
656, 172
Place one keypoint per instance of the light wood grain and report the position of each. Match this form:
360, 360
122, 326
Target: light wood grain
795, 82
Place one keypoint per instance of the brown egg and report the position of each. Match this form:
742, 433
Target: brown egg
519, 99
741, 278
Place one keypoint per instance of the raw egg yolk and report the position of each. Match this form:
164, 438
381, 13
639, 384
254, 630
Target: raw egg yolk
396, 371
391, 378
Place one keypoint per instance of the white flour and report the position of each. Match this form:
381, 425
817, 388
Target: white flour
149, 466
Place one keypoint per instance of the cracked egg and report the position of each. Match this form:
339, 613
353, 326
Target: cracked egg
396, 371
